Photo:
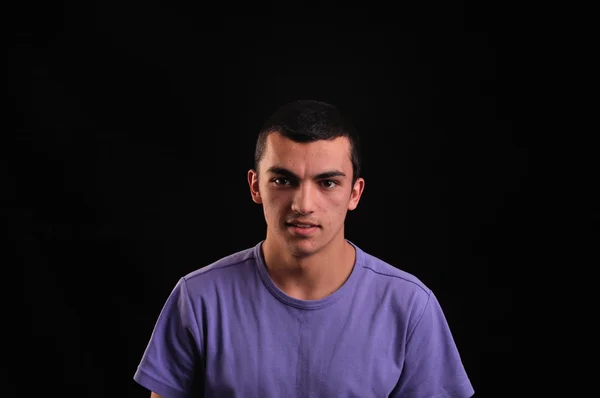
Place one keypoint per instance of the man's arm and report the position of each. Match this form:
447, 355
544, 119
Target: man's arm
172, 360
432, 363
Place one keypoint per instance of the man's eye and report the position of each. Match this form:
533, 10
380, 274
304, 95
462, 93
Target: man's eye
329, 183
281, 181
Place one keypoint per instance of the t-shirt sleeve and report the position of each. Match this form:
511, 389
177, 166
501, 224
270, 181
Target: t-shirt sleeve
171, 362
432, 365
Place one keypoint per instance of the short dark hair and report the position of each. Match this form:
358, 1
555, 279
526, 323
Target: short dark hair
308, 121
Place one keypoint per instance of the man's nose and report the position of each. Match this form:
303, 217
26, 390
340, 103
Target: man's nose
304, 200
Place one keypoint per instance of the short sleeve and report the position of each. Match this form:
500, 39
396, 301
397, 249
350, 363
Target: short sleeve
432, 365
171, 361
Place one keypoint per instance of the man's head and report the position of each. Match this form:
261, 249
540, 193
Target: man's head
309, 121
307, 170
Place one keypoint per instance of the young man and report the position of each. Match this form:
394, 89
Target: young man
305, 312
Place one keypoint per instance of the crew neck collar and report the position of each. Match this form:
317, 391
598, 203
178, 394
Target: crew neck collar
349, 285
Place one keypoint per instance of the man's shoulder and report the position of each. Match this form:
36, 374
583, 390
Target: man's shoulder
401, 291
383, 272
226, 265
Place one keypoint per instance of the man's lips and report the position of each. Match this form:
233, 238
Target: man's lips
308, 229
301, 224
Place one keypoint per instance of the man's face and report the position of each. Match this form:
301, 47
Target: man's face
305, 183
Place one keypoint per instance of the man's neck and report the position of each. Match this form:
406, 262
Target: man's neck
313, 277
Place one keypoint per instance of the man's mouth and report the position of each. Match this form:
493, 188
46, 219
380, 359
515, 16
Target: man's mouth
302, 225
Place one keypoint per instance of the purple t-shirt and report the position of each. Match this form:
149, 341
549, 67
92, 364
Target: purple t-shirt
228, 330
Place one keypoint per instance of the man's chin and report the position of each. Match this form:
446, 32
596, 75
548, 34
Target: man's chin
302, 247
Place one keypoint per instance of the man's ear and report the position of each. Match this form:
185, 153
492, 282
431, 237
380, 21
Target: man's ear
355, 195
253, 184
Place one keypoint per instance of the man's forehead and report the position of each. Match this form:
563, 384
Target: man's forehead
308, 158
282, 147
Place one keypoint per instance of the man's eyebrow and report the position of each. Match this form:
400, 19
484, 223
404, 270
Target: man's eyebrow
285, 172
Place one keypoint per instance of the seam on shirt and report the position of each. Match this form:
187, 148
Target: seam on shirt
221, 266
162, 383
456, 391
419, 320
191, 303
397, 276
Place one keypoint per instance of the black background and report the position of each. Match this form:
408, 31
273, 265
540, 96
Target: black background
135, 125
